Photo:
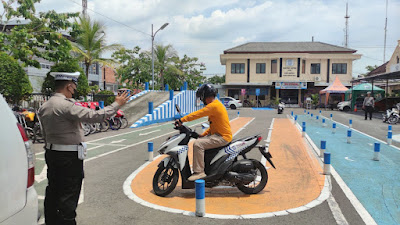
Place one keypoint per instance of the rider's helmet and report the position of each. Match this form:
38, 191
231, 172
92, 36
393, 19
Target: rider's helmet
204, 91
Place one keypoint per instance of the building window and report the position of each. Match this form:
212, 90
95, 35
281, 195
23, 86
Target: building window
303, 66
339, 68
260, 68
274, 66
315, 68
237, 68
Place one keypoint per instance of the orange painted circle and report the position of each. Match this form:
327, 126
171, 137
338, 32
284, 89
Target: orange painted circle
297, 181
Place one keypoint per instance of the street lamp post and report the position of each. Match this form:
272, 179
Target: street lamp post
152, 49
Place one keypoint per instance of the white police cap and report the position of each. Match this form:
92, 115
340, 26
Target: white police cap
66, 76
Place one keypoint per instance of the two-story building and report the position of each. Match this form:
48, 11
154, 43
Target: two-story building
290, 71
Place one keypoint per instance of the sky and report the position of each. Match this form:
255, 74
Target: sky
205, 28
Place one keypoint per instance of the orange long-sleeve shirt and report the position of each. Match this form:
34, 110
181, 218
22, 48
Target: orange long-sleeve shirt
218, 118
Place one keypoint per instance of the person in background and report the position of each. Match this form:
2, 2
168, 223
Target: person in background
65, 150
368, 105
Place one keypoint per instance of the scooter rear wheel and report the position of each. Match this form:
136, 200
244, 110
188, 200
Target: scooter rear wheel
165, 180
259, 183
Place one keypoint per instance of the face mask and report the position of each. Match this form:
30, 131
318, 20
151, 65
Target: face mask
75, 93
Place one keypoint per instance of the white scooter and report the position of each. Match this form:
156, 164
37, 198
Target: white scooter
281, 107
222, 165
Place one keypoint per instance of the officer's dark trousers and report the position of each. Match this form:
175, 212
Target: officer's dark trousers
64, 174
368, 110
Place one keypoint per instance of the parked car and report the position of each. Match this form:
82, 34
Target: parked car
346, 105
19, 201
231, 102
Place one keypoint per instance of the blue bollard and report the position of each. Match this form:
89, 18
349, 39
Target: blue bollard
322, 149
295, 119
389, 137
311, 115
291, 113
308, 113
150, 150
331, 116
303, 133
303, 124
305, 111
349, 136
377, 149
317, 117
151, 108
350, 123
333, 128
327, 163
323, 122
166, 87
390, 128
238, 113
200, 198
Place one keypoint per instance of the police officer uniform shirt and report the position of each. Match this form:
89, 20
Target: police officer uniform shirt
61, 117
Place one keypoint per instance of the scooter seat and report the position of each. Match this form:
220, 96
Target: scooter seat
219, 148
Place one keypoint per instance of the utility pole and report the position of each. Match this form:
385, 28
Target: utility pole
384, 43
84, 5
346, 36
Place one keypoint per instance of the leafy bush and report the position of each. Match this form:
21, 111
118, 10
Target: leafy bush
104, 95
70, 66
14, 83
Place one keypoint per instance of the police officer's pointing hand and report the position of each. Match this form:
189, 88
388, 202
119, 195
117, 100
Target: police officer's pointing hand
122, 98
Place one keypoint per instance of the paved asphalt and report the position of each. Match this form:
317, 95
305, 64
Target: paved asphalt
106, 203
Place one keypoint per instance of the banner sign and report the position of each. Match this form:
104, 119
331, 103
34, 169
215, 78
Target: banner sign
290, 85
243, 92
257, 91
290, 68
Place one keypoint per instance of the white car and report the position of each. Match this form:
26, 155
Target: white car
19, 201
231, 102
344, 106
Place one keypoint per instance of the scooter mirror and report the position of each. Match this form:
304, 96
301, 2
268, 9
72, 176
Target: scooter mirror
177, 108
205, 125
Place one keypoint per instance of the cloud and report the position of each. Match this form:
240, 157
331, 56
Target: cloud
206, 28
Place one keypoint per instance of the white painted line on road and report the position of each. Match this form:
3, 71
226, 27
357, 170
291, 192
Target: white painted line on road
263, 159
128, 146
128, 192
42, 176
243, 126
384, 142
347, 158
364, 214
118, 141
142, 134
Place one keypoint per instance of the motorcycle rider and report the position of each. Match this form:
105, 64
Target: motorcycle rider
218, 134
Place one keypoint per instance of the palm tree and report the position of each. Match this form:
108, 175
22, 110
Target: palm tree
164, 55
90, 43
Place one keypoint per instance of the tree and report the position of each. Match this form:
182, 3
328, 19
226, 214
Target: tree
14, 83
216, 79
369, 69
164, 56
35, 36
135, 66
70, 66
192, 70
91, 44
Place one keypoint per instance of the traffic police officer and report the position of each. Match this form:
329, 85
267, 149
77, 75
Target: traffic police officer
65, 150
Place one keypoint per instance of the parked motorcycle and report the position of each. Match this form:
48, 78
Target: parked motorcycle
392, 115
281, 107
222, 165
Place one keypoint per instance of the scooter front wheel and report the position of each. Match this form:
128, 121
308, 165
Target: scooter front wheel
165, 180
259, 182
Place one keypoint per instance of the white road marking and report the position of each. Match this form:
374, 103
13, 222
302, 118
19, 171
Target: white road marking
347, 158
119, 141
364, 214
142, 134
128, 192
42, 176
